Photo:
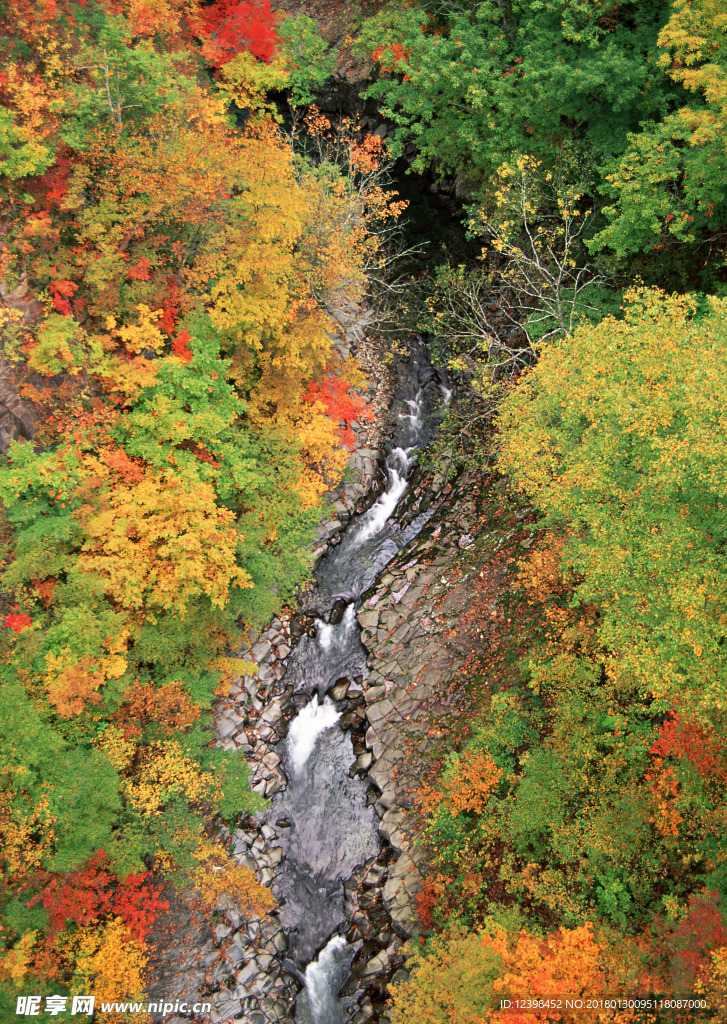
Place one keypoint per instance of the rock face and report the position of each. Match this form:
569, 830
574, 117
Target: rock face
18, 419
21, 300
412, 627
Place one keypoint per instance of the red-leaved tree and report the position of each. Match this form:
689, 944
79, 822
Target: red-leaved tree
340, 403
697, 742
233, 26
83, 897
17, 620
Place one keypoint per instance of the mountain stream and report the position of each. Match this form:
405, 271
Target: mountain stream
329, 830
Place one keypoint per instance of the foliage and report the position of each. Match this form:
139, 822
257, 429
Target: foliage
303, 53
667, 189
586, 141
477, 86
233, 26
454, 983
85, 895
180, 358
334, 395
463, 978
615, 435
220, 877
592, 788
535, 223
532, 284
634, 91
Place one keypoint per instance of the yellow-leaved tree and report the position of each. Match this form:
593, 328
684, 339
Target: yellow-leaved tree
616, 436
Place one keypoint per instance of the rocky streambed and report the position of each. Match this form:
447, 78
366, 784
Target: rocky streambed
350, 701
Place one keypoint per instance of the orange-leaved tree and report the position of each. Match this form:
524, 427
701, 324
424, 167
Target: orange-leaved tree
489, 977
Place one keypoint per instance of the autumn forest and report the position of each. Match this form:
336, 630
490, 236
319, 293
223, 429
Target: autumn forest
184, 232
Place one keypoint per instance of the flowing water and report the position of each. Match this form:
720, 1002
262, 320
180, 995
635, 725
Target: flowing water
326, 828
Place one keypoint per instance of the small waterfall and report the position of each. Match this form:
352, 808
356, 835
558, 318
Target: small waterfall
398, 465
324, 634
305, 729
415, 415
332, 637
328, 653
323, 978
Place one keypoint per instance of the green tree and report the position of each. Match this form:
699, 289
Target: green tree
475, 87
668, 190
